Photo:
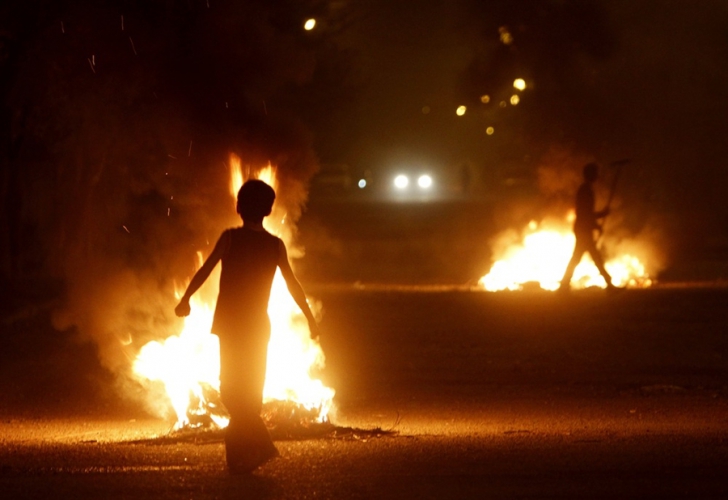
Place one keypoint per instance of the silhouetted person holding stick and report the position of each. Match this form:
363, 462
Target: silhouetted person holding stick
587, 221
250, 256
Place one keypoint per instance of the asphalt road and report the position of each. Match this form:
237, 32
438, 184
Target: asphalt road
506, 395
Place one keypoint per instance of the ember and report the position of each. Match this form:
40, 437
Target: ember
206, 410
287, 419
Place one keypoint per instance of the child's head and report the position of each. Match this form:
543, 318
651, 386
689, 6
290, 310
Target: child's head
255, 200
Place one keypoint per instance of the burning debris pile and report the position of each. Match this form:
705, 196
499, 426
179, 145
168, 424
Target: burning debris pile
289, 420
284, 419
286, 430
538, 256
205, 411
187, 365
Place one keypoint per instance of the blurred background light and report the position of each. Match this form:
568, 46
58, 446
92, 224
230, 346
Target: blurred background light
424, 181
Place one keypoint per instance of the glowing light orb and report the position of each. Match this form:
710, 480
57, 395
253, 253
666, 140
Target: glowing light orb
515, 100
505, 36
490, 131
401, 181
309, 24
485, 98
424, 181
461, 110
519, 83
362, 183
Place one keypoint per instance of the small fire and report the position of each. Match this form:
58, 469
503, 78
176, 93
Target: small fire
188, 364
540, 256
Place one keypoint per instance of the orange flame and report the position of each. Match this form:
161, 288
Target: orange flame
541, 256
188, 363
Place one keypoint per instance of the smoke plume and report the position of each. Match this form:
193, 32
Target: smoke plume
128, 120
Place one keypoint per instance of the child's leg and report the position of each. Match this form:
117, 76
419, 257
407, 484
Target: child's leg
242, 376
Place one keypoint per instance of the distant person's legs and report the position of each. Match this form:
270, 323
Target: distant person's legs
579, 248
585, 244
599, 262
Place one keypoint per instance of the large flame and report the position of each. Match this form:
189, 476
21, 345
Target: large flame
189, 365
540, 254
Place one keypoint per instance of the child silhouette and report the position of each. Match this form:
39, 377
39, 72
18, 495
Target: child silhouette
249, 256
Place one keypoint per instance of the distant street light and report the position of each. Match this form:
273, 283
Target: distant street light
505, 35
309, 24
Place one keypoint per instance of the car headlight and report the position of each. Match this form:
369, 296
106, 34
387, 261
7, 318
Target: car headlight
401, 181
424, 181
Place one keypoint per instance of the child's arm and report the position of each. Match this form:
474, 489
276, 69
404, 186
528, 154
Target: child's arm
183, 308
296, 290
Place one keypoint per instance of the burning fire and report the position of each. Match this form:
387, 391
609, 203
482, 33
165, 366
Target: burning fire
541, 256
188, 364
